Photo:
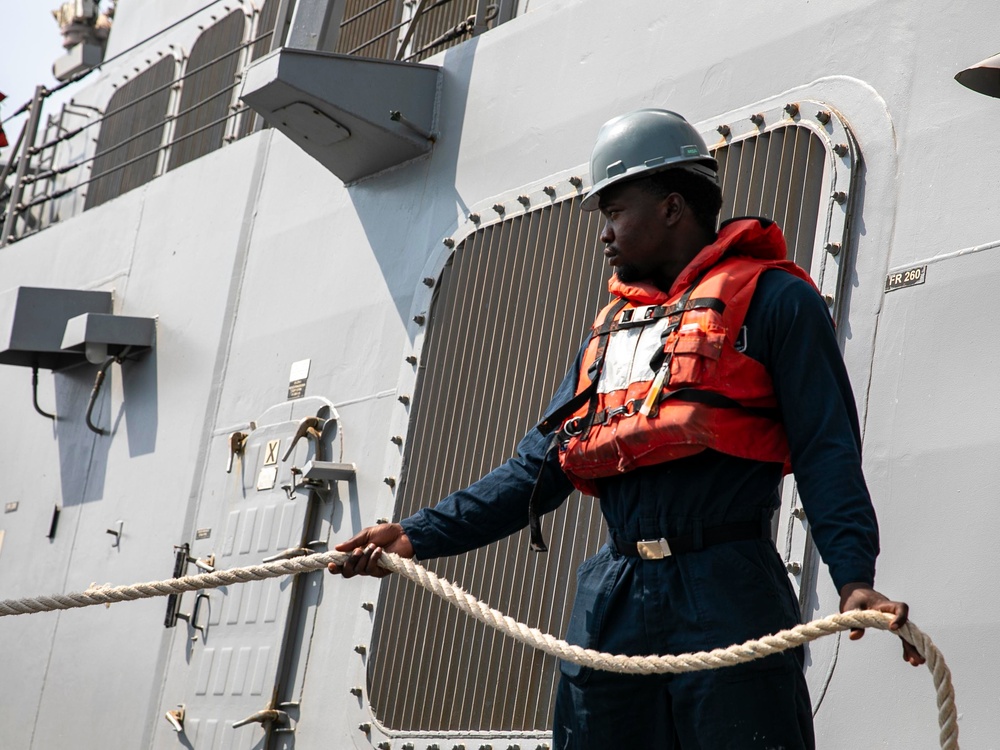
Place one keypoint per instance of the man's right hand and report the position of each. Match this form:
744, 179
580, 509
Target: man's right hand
366, 548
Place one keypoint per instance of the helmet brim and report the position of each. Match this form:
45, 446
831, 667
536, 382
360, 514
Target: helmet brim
706, 167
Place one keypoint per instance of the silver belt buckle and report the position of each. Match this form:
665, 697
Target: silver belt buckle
653, 549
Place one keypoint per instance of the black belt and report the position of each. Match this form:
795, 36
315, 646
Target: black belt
657, 549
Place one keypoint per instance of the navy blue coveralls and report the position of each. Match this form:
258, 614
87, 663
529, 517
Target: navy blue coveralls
714, 597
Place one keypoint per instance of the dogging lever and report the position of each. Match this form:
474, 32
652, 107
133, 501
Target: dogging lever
311, 428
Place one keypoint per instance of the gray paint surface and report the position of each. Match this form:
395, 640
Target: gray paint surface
255, 257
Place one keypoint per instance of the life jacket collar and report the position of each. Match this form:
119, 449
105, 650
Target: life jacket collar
753, 237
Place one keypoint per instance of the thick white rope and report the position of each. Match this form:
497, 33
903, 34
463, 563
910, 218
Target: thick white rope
693, 662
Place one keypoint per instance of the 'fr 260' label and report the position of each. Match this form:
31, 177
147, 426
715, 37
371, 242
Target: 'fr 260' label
909, 277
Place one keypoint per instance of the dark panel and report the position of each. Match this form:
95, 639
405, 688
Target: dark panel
777, 174
260, 45
510, 312
207, 90
373, 28
131, 134
367, 28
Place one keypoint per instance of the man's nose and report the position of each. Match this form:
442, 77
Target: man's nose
607, 235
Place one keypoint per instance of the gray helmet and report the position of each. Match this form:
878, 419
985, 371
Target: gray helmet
642, 142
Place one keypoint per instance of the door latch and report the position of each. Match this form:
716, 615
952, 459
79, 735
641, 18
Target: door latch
265, 718
237, 442
192, 619
311, 428
176, 718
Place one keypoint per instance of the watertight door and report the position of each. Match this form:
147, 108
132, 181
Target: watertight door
224, 683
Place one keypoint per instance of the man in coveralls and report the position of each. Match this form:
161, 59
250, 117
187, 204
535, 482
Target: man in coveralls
689, 564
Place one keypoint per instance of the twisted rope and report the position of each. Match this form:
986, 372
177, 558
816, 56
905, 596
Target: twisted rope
454, 595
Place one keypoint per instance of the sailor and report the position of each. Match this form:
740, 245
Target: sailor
714, 372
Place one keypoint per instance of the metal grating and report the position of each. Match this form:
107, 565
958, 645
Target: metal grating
436, 24
261, 44
510, 312
368, 28
131, 134
207, 90
264, 35
777, 174
374, 28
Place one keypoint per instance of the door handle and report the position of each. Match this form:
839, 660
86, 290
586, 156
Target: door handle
311, 428
264, 717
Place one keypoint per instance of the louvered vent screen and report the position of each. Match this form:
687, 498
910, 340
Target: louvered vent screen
375, 28
369, 28
131, 134
510, 313
260, 45
434, 28
207, 90
777, 174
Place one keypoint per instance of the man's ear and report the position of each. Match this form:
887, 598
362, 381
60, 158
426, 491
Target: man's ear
672, 208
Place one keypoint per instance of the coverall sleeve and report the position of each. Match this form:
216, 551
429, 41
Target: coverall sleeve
497, 505
821, 420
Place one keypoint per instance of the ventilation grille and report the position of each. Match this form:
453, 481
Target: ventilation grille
368, 28
262, 43
132, 130
510, 312
131, 134
207, 90
777, 174
375, 28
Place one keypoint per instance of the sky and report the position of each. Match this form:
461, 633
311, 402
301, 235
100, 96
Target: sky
29, 43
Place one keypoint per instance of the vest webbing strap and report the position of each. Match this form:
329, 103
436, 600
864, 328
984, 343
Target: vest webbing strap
558, 415
656, 312
589, 394
690, 395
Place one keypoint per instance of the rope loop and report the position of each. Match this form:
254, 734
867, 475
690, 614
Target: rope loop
457, 597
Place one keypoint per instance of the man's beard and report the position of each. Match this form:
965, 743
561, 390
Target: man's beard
629, 274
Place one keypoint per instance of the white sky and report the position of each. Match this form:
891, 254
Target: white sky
29, 43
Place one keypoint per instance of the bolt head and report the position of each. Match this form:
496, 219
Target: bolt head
499, 208
475, 218
575, 181
724, 129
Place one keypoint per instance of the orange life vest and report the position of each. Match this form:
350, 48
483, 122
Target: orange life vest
671, 378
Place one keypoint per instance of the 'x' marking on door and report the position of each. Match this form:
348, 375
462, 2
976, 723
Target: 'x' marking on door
271, 454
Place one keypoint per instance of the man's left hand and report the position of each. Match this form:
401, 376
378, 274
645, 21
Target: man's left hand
862, 596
